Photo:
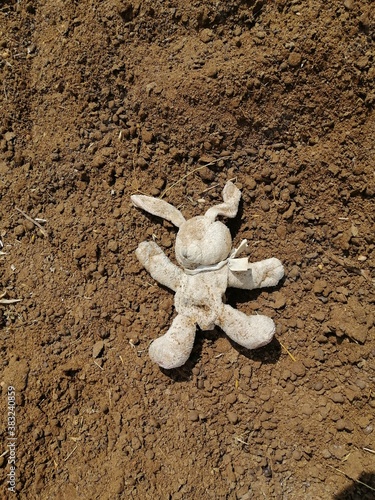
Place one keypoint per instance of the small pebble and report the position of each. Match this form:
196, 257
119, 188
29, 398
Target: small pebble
351, 395
232, 417
98, 161
294, 59
141, 162
97, 349
296, 455
365, 20
344, 424
298, 368
166, 241
281, 233
264, 395
211, 70
306, 409
318, 386
147, 136
136, 443
319, 316
338, 451
264, 205
29, 225
19, 230
279, 455
268, 407
363, 422
280, 301
289, 388
291, 323
206, 35
360, 383
264, 417
9, 136
113, 246
337, 397
193, 416
319, 355
238, 470
268, 425
319, 286
231, 398
294, 272
246, 371
362, 62
206, 174
251, 184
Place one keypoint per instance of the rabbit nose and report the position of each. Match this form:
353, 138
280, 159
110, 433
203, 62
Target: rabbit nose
192, 253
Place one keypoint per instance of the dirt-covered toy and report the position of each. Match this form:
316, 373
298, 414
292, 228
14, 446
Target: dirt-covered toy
208, 268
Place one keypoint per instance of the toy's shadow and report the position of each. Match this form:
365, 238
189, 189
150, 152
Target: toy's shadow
362, 488
234, 224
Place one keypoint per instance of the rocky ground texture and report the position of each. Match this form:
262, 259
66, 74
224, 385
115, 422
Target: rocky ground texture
104, 99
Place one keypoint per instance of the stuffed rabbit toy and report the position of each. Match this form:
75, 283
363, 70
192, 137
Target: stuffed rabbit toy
208, 267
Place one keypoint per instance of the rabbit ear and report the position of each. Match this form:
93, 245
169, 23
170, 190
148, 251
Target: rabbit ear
231, 196
161, 208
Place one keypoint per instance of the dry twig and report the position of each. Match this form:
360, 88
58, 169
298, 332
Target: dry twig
70, 454
351, 478
192, 172
8, 301
36, 223
287, 351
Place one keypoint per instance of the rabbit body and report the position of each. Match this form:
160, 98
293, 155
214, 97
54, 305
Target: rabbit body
202, 249
200, 297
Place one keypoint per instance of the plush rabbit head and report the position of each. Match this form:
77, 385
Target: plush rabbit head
202, 240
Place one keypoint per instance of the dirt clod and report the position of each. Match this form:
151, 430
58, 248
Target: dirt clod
294, 59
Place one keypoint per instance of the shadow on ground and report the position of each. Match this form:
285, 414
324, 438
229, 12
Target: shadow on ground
363, 488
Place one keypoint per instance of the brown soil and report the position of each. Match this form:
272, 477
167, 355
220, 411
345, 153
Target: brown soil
103, 99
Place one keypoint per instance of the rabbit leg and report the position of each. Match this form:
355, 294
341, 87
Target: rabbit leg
260, 274
174, 347
248, 331
152, 257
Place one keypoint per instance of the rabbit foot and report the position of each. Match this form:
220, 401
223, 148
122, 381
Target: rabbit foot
174, 347
251, 332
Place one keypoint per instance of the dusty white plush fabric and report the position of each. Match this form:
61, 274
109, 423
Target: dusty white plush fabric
208, 267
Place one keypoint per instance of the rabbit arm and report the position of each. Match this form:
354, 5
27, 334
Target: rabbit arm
152, 257
260, 274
